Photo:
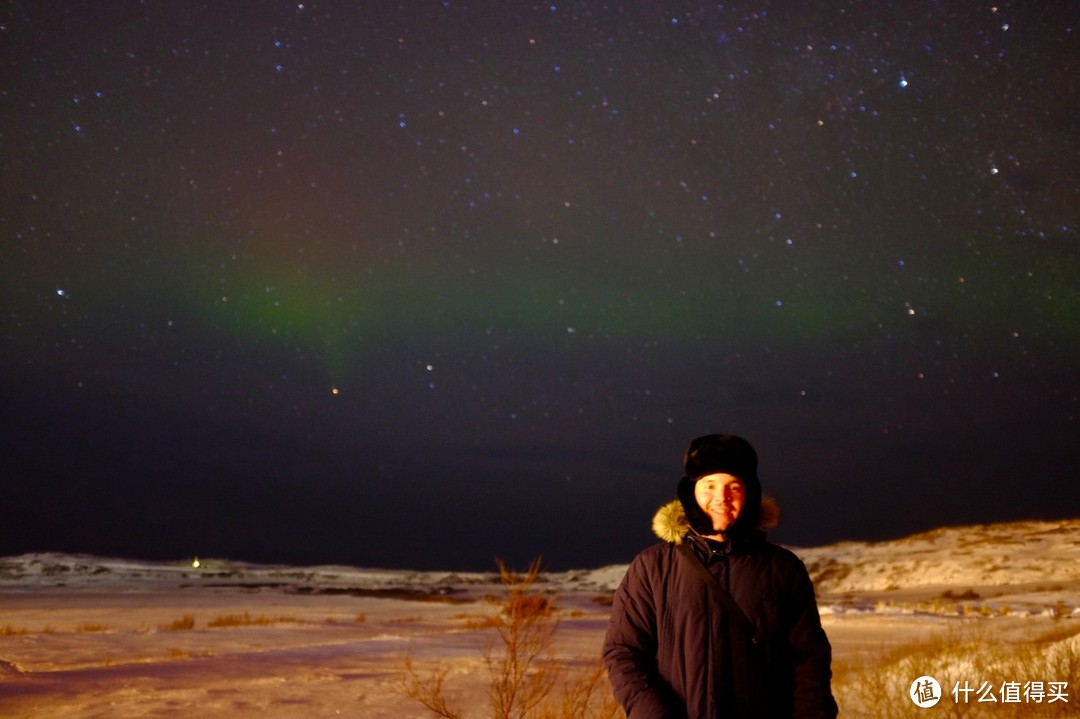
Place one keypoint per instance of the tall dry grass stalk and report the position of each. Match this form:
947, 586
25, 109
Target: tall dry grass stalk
526, 680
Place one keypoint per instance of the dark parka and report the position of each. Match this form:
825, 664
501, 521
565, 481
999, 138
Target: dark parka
672, 650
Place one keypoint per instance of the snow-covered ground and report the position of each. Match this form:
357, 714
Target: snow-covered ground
84, 636
1017, 567
30, 571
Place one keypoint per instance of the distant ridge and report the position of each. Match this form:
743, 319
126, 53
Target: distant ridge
981, 555
83, 571
1033, 556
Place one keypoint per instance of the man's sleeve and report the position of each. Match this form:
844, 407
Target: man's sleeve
630, 651
811, 654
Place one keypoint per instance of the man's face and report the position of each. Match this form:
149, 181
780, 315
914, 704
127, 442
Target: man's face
721, 497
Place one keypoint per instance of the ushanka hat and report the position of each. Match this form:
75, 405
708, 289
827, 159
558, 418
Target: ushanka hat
721, 454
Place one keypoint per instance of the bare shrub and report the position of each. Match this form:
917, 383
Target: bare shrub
586, 694
525, 679
428, 690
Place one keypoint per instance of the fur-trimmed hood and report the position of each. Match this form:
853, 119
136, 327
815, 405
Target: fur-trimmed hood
671, 525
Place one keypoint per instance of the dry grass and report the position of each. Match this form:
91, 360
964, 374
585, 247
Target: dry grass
247, 620
184, 623
10, 631
972, 655
91, 628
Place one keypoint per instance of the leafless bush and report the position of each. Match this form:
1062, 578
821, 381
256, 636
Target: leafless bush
526, 681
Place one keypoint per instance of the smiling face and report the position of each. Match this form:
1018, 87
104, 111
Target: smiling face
721, 496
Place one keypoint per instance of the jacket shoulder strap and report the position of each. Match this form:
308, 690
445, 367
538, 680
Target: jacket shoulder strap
719, 592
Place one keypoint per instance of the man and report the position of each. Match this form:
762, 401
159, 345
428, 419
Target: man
716, 622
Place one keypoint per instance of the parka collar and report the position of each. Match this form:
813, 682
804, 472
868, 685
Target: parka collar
671, 525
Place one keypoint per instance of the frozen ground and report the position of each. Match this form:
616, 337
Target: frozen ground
89, 637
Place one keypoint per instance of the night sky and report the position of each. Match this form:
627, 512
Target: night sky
421, 284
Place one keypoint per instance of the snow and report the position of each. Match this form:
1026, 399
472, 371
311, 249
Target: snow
84, 636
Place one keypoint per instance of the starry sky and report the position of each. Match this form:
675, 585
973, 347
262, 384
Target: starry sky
421, 284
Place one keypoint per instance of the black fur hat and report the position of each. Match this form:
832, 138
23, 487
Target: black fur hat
728, 454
